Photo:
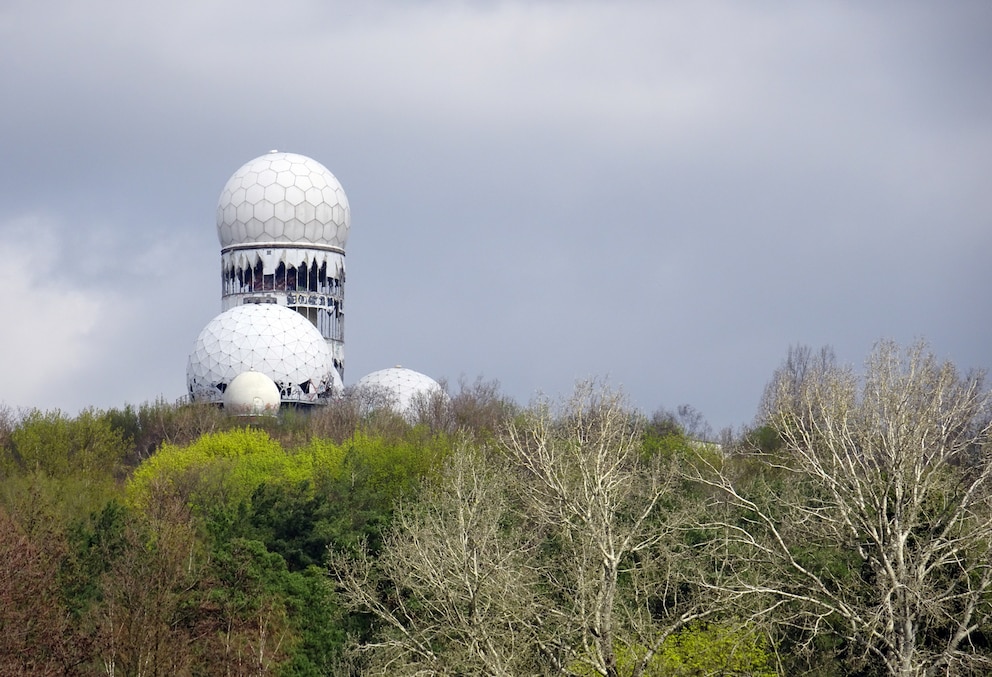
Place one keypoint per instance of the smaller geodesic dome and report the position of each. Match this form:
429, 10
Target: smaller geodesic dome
267, 338
397, 387
252, 393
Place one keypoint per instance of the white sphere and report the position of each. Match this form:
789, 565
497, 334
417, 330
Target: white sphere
267, 338
252, 393
400, 386
283, 198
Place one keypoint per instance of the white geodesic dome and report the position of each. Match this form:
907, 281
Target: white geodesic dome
252, 393
400, 387
267, 338
283, 198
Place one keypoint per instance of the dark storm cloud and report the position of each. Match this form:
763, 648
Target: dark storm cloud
667, 193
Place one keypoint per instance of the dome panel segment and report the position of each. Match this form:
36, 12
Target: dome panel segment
264, 211
314, 196
286, 179
306, 212
294, 195
255, 193
254, 228
245, 212
284, 210
313, 231
275, 193
276, 228
266, 178
248, 179
293, 229
325, 213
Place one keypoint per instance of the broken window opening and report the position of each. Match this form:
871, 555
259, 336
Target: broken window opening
289, 276
322, 278
312, 281
256, 281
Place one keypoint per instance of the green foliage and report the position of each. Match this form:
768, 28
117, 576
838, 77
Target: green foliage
296, 502
254, 586
341, 495
60, 446
56, 468
392, 467
375, 474
699, 650
320, 624
292, 520
764, 438
712, 649
225, 468
93, 545
42, 502
666, 444
219, 533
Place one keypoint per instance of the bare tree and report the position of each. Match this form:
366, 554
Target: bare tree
479, 406
685, 420
454, 587
619, 579
890, 476
788, 381
561, 554
432, 408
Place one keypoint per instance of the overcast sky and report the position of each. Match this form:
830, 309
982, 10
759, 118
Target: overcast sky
667, 194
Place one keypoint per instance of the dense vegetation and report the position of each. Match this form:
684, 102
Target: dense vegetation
849, 531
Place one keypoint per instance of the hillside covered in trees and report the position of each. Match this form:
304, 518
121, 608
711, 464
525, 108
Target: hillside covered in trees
848, 531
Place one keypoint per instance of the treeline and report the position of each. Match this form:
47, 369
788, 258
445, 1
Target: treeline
847, 532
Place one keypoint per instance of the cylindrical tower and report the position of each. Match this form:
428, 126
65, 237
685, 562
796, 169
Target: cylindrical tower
283, 221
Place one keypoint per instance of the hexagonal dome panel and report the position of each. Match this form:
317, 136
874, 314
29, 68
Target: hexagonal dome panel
296, 185
267, 338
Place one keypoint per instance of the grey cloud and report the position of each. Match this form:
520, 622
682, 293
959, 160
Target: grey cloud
667, 193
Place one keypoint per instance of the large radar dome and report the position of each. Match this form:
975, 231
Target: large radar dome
283, 198
267, 338
400, 387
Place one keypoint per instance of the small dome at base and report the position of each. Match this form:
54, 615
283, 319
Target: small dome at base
252, 394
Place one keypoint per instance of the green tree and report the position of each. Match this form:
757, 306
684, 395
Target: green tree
58, 445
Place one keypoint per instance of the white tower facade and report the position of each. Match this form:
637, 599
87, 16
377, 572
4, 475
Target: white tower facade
283, 221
